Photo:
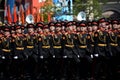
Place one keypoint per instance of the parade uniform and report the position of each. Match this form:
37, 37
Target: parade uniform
58, 52
90, 40
18, 57
101, 51
30, 43
31, 51
6, 52
57, 43
70, 53
46, 45
19, 41
40, 69
84, 55
69, 45
114, 49
113, 35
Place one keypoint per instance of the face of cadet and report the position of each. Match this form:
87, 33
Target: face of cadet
89, 28
74, 27
115, 26
83, 29
94, 28
102, 24
39, 29
52, 28
71, 28
30, 30
107, 27
58, 28
7, 33
63, 28
19, 31
46, 30
78, 29
12, 31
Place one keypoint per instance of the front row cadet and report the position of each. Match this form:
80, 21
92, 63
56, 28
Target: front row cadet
45, 50
6, 51
114, 49
19, 56
84, 55
46, 43
31, 50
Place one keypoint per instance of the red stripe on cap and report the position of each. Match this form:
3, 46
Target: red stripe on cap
82, 25
102, 20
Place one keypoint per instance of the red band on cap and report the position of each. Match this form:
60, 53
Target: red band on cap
82, 25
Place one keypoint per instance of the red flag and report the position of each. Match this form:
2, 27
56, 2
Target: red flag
22, 14
49, 17
9, 18
35, 17
38, 17
28, 11
15, 14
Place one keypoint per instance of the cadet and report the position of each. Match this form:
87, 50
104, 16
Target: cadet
82, 49
113, 43
31, 50
90, 41
18, 40
57, 47
46, 52
6, 51
40, 63
70, 53
90, 44
101, 49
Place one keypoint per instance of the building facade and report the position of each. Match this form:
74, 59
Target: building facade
111, 9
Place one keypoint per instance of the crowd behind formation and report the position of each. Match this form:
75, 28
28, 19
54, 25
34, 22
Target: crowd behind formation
84, 42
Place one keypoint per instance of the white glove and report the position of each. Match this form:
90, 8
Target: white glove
78, 56
91, 56
15, 57
96, 55
64, 56
53, 56
41, 57
3, 57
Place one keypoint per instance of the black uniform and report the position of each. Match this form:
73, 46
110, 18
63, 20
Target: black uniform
114, 53
70, 54
84, 55
6, 55
101, 52
31, 51
19, 55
